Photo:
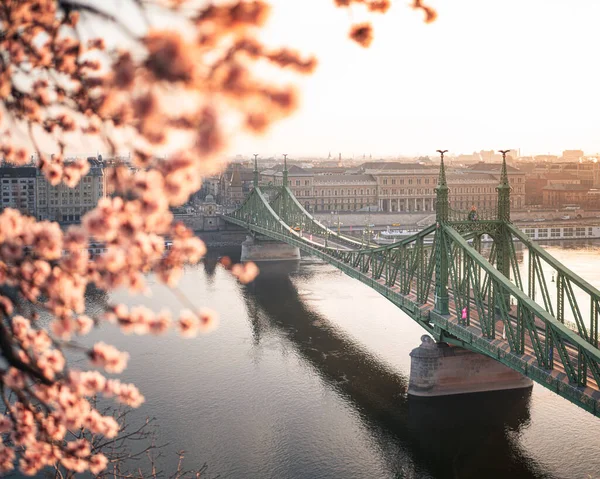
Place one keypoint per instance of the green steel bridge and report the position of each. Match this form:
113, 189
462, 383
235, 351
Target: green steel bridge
546, 331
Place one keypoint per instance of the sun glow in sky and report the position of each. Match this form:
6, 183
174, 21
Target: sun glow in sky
487, 74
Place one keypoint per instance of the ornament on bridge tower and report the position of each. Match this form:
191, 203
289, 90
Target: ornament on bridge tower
473, 214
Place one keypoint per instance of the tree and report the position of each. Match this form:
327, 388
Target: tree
58, 85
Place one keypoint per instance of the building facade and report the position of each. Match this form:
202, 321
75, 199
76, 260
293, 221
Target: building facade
395, 187
17, 188
344, 192
68, 205
558, 195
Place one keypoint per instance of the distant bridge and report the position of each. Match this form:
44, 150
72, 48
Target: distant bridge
437, 273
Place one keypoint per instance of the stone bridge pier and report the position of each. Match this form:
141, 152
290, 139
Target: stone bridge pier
264, 249
439, 369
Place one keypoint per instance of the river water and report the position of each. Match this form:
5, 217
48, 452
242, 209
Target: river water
306, 377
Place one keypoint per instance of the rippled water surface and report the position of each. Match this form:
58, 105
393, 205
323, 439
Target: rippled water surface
306, 377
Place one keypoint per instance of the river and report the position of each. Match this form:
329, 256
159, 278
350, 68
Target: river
306, 377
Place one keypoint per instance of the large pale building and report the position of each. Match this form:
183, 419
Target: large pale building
403, 187
395, 186
482, 191
344, 192
68, 205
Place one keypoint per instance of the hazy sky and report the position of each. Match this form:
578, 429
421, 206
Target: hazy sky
487, 74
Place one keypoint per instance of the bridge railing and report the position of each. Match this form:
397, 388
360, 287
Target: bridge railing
472, 215
292, 212
490, 294
564, 300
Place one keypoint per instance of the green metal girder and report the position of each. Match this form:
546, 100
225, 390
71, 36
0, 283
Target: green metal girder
559, 332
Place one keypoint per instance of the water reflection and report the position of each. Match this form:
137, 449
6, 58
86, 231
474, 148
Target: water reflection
466, 436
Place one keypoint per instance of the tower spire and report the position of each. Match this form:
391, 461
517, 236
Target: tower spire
255, 171
504, 174
285, 170
503, 191
441, 191
442, 178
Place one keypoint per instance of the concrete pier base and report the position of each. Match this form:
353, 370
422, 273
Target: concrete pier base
437, 369
268, 250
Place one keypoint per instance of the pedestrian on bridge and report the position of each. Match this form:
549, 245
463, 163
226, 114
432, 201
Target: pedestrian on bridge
464, 314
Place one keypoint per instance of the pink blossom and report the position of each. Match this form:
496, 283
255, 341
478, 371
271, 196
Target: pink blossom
245, 272
47, 241
52, 359
84, 324
21, 328
87, 383
14, 379
138, 321
209, 320
108, 357
62, 328
98, 463
6, 305
54, 427
7, 459
130, 395
40, 341
188, 324
161, 323
11, 224
6, 424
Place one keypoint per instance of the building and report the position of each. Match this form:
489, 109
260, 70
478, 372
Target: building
468, 189
235, 184
17, 188
68, 205
558, 195
572, 155
403, 187
344, 192
516, 179
234, 191
588, 172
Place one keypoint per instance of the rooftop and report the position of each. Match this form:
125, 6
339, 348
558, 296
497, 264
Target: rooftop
331, 179
560, 187
492, 167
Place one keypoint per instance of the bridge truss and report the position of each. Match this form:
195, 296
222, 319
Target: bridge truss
546, 333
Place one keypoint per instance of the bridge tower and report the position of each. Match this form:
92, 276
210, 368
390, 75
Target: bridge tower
255, 179
441, 265
285, 171
504, 236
